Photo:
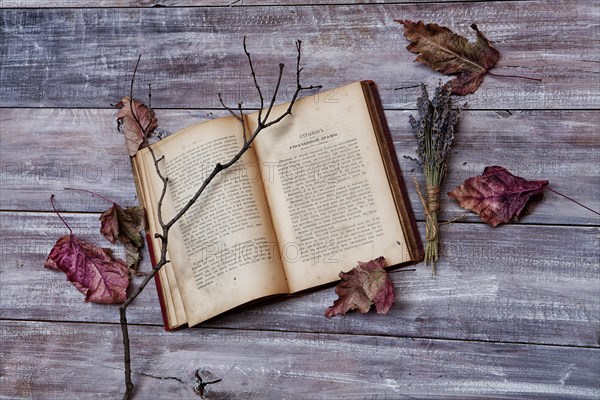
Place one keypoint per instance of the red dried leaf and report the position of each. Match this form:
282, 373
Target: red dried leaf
497, 195
451, 54
91, 269
125, 226
363, 286
129, 115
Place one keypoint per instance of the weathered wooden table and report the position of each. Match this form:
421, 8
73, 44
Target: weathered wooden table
513, 311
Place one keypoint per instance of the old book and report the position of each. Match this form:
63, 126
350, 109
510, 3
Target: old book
315, 193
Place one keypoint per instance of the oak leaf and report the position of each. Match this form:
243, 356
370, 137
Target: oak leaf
497, 195
451, 54
135, 121
91, 269
363, 286
125, 226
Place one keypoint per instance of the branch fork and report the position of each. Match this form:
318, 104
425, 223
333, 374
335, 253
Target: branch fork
263, 122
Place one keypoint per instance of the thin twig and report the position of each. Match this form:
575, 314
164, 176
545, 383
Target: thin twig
227, 108
281, 66
166, 226
262, 100
241, 119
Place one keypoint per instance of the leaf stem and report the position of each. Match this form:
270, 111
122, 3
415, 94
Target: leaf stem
90, 192
514, 76
574, 201
56, 211
133, 80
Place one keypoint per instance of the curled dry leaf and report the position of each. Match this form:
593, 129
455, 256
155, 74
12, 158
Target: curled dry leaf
91, 269
451, 54
363, 286
135, 121
125, 226
497, 195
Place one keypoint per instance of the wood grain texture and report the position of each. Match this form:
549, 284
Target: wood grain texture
191, 3
516, 283
191, 53
561, 146
514, 311
44, 151
349, 367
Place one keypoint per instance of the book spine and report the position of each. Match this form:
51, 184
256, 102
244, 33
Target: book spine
158, 283
150, 245
408, 220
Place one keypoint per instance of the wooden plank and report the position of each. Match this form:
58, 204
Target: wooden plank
27, 239
36, 161
190, 3
561, 146
534, 284
86, 362
84, 57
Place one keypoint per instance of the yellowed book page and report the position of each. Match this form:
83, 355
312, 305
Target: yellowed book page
223, 250
169, 291
326, 186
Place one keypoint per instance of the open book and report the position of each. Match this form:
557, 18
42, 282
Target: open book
314, 194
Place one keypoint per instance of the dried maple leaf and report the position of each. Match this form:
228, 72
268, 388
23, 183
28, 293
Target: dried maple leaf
497, 195
125, 226
135, 121
451, 54
363, 286
91, 269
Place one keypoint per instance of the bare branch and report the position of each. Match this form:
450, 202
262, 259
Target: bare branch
262, 100
239, 117
281, 66
165, 181
299, 87
231, 111
165, 227
123, 308
244, 134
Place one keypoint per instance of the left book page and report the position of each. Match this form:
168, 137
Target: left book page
223, 250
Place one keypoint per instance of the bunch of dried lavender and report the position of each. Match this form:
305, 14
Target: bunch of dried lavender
434, 131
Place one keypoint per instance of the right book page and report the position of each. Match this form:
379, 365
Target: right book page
327, 188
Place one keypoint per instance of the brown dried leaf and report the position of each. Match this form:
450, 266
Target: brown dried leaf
451, 54
363, 286
91, 269
497, 195
125, 226
135, 121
